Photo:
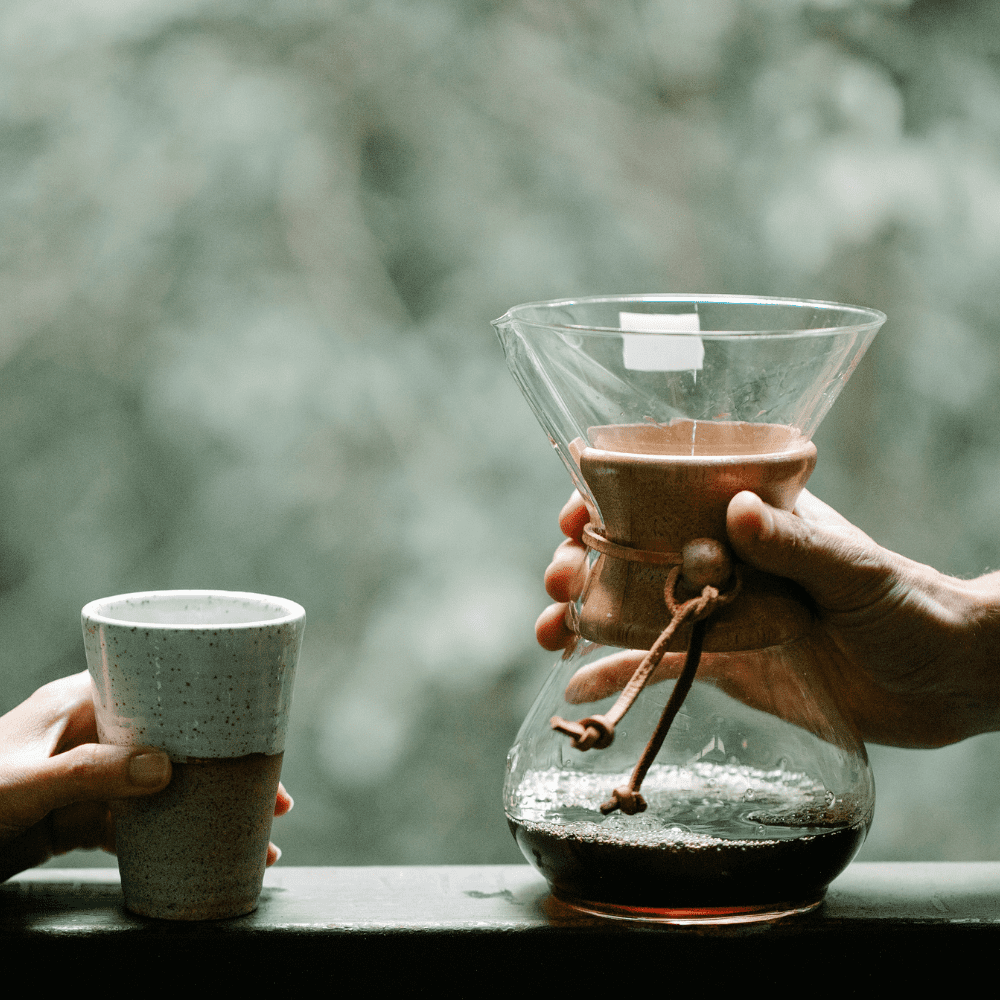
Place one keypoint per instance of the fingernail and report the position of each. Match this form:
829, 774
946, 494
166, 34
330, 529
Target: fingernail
148, 770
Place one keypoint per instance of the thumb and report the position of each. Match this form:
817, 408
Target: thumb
94, 772
829, 561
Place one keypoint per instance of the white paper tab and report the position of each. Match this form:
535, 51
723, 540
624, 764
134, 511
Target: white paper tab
643, 353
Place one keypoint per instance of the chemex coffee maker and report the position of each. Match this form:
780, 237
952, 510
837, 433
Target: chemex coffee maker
686, 761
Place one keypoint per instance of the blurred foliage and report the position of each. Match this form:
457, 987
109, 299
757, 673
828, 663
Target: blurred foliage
249, 254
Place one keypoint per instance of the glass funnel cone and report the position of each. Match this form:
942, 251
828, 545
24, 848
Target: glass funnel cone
657, 359
663, 408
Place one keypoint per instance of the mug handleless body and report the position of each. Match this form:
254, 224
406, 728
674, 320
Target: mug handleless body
205, 676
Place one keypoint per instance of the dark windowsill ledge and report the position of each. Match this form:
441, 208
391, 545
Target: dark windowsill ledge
417, 926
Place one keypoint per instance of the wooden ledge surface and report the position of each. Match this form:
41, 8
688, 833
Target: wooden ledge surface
481, 897
477, 920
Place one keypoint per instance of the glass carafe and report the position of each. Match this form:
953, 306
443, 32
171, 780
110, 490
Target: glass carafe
663, 407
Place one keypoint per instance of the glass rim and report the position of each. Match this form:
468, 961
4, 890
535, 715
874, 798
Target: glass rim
285, 611
867, 317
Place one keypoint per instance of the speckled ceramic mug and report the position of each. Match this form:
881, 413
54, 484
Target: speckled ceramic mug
205, 675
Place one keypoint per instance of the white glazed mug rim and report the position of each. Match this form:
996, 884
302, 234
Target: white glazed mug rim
98, 611
189, 681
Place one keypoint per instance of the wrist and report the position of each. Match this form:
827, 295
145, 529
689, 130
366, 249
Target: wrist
978, 673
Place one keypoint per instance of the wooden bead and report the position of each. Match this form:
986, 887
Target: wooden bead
706, 562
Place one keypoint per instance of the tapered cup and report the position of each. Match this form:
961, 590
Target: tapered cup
205, 676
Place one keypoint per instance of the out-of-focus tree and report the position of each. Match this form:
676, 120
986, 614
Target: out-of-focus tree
249, 253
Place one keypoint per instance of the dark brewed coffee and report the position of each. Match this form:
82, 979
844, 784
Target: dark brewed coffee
720, 837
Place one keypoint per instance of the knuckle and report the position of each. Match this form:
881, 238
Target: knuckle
84, 770
82, 761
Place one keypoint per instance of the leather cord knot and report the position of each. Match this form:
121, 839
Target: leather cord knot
593, 732
707, 563
627, 799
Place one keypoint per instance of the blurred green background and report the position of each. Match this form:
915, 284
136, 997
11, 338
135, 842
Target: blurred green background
249, 252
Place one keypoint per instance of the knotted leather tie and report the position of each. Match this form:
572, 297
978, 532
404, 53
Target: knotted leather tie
706, 564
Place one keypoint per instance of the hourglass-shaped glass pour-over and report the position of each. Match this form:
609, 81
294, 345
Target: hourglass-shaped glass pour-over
719, 783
